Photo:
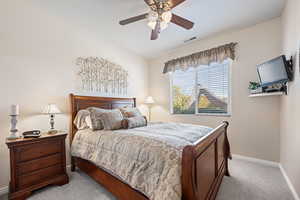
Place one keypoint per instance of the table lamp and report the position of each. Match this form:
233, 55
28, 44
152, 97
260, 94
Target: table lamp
149, 101
51, 110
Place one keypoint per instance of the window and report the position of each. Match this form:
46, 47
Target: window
201, 90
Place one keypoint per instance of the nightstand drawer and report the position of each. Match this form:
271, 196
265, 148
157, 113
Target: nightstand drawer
30, 166
41, 149
39, 176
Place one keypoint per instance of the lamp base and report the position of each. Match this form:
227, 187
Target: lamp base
51, 132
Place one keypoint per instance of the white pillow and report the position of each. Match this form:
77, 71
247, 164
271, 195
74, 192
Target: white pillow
88, 121
83, 120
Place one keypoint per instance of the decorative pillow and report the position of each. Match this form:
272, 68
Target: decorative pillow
134, 122
88, 121
82, 120
112, 120
95, 116
130, 112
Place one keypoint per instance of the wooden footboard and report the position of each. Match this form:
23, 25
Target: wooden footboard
204, 164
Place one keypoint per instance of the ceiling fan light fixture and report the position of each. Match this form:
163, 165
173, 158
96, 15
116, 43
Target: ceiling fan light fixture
163, 25
165, 19
152, 24
167, 16
160, 16
152, 16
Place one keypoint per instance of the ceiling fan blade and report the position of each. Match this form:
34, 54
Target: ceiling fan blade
174, 3
156, 31
184, 23
133, 19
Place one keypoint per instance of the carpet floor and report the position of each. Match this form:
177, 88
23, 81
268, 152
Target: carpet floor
248, 181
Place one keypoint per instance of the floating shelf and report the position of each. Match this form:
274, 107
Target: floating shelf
267, 94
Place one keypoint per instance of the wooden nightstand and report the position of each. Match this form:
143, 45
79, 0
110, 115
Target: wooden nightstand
35, 163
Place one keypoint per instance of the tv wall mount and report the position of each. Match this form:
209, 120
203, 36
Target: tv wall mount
290, 69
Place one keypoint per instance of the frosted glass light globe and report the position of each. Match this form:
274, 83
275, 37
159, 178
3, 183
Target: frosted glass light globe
152, 24
163, 25
167, 16
152, 16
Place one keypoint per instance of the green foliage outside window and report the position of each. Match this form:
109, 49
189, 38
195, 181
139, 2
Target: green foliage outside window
182, 104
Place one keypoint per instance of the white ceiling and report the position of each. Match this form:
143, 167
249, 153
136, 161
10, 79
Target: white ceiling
210, 16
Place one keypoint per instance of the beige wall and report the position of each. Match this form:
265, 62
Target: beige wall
290, 108
254, 124
38, 49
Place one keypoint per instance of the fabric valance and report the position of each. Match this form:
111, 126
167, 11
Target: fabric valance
218, 54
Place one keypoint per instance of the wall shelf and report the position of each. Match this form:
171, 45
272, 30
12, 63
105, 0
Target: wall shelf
267, 94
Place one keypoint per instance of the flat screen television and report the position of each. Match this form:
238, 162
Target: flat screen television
274, 71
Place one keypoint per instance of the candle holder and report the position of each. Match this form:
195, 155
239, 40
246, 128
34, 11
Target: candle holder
13, 130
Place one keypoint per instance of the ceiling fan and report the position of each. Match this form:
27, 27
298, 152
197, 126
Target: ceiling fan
160, 16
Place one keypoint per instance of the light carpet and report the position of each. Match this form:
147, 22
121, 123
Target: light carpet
248, 181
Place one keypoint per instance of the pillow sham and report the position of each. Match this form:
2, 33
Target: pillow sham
95, 116
82, 120
134, 122
130, 112
88, 121
112, 120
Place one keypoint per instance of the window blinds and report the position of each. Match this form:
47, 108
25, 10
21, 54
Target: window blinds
213, 88
204, 89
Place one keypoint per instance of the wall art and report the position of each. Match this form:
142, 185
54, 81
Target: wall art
102, 76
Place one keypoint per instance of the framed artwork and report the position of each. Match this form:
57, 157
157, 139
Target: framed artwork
102, 76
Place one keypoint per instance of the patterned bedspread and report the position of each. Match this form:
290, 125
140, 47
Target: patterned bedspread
147, 158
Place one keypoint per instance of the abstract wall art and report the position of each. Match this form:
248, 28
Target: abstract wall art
102, 76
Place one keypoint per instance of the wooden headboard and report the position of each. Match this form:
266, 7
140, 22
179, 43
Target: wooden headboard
83, 102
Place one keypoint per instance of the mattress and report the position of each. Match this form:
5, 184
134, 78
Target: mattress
146, 158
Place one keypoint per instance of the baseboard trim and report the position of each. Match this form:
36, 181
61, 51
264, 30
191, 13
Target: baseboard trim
287, 179
256, 160
3, 190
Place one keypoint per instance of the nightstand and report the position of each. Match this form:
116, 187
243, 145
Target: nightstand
36, 163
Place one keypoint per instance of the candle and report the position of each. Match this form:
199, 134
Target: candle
14, 110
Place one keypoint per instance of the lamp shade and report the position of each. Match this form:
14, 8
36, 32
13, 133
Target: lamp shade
51, 109
149, 100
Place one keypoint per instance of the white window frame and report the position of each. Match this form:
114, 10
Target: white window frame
229, 103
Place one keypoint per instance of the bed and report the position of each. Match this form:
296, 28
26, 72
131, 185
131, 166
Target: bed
203, 162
